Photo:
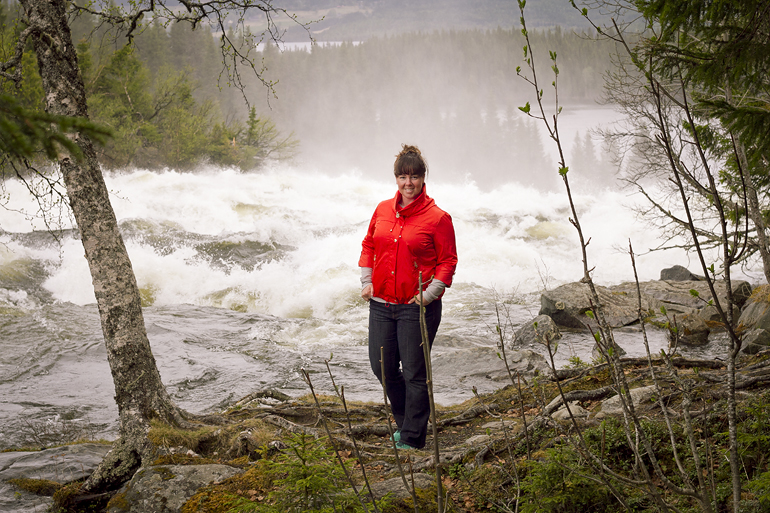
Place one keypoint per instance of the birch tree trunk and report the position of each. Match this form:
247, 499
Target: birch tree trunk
139, 392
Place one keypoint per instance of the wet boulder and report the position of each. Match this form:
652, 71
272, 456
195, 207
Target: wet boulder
755, 341
754, 322
597, 355
756, 312
537, 330
567, 306
693, 330
678, 273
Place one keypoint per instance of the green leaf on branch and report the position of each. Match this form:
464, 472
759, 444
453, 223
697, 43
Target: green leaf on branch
553, 55
525, 51
590, 314
585, 11
525, 109
564, 170
598, 336
694, 293
663, 310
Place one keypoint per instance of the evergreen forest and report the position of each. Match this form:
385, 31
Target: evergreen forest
167, 98
453, 93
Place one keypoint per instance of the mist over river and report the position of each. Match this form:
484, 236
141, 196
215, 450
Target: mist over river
251, 277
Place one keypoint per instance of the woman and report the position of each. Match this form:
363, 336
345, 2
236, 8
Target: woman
408, 234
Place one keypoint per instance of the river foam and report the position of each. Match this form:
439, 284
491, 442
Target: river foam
286, 242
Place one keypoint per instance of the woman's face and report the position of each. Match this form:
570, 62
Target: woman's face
410, 186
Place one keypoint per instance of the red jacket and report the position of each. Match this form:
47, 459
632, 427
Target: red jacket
401, 242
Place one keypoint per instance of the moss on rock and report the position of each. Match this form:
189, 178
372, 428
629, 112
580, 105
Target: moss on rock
37, 486
251, 486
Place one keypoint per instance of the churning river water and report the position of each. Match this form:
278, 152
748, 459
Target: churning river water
249, 278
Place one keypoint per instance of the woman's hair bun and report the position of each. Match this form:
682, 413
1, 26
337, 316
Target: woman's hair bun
410, 161
408, 148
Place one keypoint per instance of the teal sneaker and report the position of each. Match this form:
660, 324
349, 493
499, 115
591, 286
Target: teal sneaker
405, 447
396, 436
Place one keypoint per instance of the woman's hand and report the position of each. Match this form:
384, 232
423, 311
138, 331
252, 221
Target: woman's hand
416, 299
367, 292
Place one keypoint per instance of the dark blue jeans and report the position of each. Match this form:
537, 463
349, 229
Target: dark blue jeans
396, 329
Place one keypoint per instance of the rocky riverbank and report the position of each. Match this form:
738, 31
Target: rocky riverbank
679, 299
519, 430
216, 469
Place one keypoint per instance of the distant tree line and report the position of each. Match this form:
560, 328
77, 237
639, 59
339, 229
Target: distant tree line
344, 20
455, 93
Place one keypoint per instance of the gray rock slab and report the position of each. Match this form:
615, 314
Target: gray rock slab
395, 486
61, 464
477, 440
574, 406
476, 363
497, 425
165, 488
577, 411
13, 500
612, 406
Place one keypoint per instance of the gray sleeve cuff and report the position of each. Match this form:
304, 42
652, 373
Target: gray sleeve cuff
366, 277
434, 290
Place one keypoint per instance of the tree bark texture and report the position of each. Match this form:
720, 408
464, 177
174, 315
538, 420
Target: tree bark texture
139, 391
